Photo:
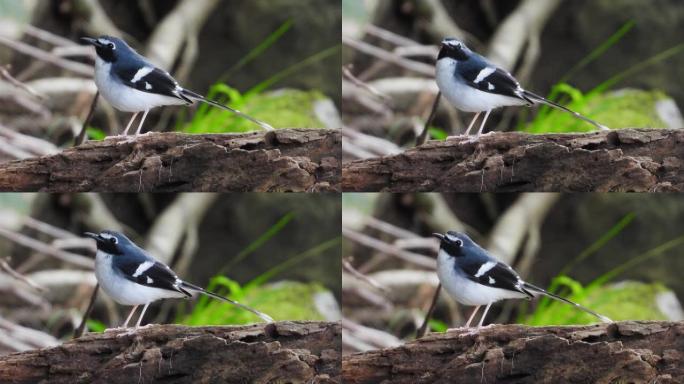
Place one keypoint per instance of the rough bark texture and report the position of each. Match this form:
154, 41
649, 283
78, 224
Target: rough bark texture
620, 160
626, 352
281, 160
285, 352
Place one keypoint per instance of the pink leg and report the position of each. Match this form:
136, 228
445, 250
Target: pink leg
141, 122
129, 317
471, 124
483, 315
472, 316
125, 132
483, 123
141, 315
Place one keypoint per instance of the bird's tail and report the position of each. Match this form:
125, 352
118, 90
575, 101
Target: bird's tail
537, 98
193, 287
536, 289
195, 96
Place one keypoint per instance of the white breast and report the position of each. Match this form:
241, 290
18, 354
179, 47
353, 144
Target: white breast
466, 291
466, 98
125, 98
124, 291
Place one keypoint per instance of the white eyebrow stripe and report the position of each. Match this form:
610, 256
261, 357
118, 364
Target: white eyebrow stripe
483, 74
142, 268
142, 72
485, 268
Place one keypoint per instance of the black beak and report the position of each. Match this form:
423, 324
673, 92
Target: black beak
91, 41
438, 235
94, 236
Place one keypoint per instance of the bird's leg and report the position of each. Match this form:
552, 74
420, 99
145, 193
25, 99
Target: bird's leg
129, 317
141, 122
484, 315
472, 123
141, 315
483, 123
472, 316
125, 132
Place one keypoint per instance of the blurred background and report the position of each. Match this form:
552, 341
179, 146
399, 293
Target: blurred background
277, 60
618, 254
275, 252
618, 62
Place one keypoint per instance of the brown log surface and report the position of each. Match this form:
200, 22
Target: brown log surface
624, 352
284, 352
296, 160
618, 160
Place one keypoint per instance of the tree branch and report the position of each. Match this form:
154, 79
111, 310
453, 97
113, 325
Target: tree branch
293, 352
620, 160
630, 352
282, 160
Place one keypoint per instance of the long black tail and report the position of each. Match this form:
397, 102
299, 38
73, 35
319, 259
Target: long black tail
193, 287
196, 96
537, 98
536, 289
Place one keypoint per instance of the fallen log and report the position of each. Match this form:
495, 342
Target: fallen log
624, 352
287, 352
297, 160
619, 160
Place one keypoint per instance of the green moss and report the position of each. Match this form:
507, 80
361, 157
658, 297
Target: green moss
624, 301
283, 301
624, 109
282, 109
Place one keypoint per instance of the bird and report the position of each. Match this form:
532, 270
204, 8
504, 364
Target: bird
472, 276
131, 83
131, 276
471, 83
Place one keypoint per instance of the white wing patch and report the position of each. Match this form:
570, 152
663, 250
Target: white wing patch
142, 268
483, 74
148, 86
485, 268
491, 280
490, 86
150, 281
142, 72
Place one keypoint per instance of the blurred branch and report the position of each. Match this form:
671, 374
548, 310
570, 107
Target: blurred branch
20, 338
73, 66
360, 338
18, 276
388, 249
46, 249
390, 57
619, 160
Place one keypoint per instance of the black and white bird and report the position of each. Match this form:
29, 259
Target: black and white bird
131, 276
471, 83
472, 276
130, 83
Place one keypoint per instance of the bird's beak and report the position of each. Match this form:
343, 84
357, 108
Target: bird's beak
91, 41
438, 235
93, 235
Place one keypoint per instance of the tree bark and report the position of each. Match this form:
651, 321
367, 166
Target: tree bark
282, 160
287, 352
619, 160
625, 352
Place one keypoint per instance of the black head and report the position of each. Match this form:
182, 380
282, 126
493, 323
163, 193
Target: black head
108, 48
456, 244
111, 242
454, 49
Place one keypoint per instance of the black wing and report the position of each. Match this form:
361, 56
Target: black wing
497, 82
499, 276
156, 276
156, 81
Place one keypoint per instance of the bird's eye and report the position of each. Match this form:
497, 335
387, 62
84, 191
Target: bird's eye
458, 242
113, 240
110, 45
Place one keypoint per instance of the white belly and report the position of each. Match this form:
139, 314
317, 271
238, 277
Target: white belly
465, 291
466, 98
125, 98
125, 291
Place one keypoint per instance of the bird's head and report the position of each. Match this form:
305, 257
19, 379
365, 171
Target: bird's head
110, 242
454, 49
455, 244
108, 48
